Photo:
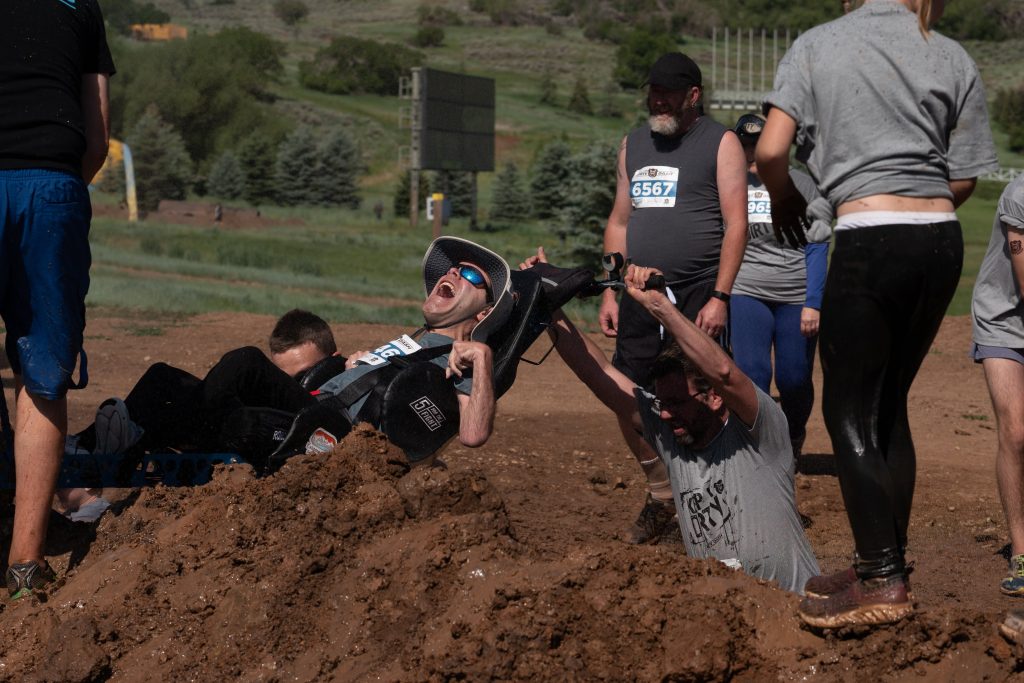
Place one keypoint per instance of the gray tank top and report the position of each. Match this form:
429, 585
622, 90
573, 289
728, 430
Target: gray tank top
676, 223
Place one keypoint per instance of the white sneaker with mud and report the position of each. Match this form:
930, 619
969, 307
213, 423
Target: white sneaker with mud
115, 431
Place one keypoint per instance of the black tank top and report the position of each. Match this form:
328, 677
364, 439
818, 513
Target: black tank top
676, 222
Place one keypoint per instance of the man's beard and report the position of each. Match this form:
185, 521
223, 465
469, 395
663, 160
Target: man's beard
665, 124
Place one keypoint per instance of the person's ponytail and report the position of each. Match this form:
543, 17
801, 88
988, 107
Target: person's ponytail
924, 16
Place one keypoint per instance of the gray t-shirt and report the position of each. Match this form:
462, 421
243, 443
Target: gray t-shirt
771, 271
880, 109
735, 498
403, 346
996, 307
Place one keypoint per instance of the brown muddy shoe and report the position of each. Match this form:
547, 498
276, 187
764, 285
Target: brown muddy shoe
830, 584
1012, 627
656, 523
862, 603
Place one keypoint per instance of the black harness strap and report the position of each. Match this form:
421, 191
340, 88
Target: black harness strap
376, 382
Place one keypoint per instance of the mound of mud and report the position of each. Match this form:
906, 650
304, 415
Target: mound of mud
351, 567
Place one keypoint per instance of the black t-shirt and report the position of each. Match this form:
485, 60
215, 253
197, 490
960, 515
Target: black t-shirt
46, 46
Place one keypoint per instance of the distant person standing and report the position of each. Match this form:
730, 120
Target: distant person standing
680, 207
998, 313
776, 300
890, 118
378, 209
54, 130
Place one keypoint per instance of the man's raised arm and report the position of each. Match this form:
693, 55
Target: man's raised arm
728, 381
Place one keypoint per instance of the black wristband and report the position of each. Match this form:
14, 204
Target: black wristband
721, 296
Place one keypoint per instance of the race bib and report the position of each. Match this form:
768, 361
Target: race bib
654, 187
403, 346
759, 206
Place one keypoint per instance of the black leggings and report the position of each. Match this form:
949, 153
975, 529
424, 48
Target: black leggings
886, 293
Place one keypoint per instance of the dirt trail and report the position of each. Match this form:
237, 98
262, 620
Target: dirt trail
507, 565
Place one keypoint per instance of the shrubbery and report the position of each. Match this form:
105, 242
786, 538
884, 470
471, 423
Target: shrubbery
428, 36
121, 14
210, 88
291, 12
1008, 112
637, 53
354, 65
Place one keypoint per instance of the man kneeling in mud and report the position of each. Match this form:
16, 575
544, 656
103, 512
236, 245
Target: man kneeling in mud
724, 441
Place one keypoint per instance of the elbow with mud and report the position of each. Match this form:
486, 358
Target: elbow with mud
473, 440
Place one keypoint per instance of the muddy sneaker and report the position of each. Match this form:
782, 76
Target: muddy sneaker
656, 523
1014, 583
830, 584
115, 431
1012, 627
862, 603
26, 577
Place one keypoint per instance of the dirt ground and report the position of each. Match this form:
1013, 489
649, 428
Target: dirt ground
507, 565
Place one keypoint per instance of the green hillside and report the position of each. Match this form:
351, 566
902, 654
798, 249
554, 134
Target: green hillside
340, 255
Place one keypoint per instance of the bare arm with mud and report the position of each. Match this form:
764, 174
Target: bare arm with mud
476, 411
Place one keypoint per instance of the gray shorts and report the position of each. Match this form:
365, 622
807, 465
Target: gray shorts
980, 353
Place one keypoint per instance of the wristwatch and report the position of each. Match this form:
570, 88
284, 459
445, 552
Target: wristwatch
721, 296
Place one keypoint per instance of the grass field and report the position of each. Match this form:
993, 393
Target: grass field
344, 265
348, 266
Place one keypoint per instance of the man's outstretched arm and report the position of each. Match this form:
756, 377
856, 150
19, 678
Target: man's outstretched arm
589, 363
728, 381
476, 411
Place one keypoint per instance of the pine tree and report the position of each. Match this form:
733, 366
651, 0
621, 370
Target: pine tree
548, 88
163, 168
226, 179
296, 170
609, 105
402, 193
457, 187
550, 176
340, 165
257, 157
589, 196
580, 100
510, 201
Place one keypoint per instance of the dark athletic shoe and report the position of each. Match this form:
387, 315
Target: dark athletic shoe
862, 603
830, 584
1014, 583
656, 523
27, 577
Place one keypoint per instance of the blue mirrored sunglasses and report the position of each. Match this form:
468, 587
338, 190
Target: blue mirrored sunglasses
473, 276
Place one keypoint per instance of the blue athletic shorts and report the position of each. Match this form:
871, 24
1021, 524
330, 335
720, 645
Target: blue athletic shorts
44, 276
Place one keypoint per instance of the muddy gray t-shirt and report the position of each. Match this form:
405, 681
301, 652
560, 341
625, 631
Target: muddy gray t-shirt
771, 271
996, 307
735, 498
880, 109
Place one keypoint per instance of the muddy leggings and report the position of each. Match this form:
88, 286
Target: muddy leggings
886, 293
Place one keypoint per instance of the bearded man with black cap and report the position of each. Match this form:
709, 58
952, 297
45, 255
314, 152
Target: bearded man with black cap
681, 207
